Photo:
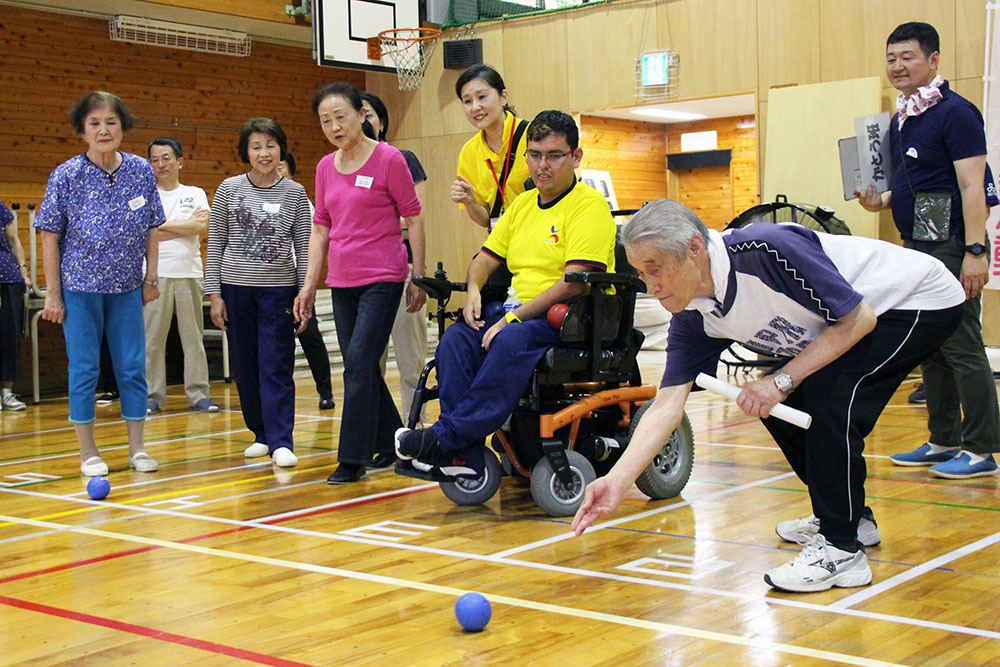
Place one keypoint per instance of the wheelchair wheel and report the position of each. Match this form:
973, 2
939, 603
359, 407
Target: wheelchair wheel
475, 491
668, 473
551, 495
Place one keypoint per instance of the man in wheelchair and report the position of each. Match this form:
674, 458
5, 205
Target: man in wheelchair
485, 363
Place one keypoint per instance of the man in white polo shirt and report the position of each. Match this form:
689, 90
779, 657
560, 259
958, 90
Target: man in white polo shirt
182, 284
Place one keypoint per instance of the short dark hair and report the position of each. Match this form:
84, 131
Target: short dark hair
383, 114
290, 161
490, 77
349, 93
554, 122
264, 126
924, 33
96, 100
169, 142
339, 89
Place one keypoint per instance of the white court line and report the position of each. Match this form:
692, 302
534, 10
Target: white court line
764, 447
744, 597
915, 572
643, 515
661, 628
307, 419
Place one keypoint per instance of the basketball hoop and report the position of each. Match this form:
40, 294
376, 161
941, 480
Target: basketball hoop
410, 50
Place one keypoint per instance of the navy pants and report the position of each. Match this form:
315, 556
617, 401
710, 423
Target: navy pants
478, 388
369, 418
845, 399
261, 333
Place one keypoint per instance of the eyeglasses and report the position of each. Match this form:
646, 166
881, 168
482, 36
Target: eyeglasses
552, 158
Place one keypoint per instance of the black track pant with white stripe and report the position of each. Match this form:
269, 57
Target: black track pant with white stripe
845, 399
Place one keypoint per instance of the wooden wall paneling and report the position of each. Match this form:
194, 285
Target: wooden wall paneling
538, 87
970, 39
971, 89
265, 10
602, 44
403, 106
717, 42
634, 152
804, 124
787, 51
852, 36
719, 193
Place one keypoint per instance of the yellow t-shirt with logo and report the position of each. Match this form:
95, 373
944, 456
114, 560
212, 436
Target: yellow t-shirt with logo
476, 157
537, 241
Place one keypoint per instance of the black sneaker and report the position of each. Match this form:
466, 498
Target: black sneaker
326, 403
346, 473
382, 462
448, 464
107, 398
411, 443
918, 395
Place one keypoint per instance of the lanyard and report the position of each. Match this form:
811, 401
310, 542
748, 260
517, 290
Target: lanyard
508, 166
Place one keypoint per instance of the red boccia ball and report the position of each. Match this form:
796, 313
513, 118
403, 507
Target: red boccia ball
557, 314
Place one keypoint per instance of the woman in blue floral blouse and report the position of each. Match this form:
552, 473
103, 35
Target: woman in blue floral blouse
98, 222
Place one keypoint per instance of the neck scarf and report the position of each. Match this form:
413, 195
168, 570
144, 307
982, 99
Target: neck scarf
920, 101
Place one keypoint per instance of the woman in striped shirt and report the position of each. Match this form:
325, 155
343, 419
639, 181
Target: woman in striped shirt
259, 224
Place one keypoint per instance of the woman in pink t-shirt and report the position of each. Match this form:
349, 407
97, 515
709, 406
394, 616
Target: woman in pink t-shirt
362, 190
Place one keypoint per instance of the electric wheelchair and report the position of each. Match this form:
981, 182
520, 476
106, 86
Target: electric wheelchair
584, 402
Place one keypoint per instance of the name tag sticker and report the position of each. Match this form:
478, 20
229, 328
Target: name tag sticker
363, 182
137, 203
270, 208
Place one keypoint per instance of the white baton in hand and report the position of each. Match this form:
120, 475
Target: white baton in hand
782, 412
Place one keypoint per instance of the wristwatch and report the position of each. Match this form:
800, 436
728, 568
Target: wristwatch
151, 283
975, 249
783, 381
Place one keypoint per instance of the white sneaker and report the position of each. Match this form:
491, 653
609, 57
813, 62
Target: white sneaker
284, 458
94, 467
255, 450
11, 402
819, 567
801, 531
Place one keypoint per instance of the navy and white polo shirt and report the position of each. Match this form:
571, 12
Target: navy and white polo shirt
778, 286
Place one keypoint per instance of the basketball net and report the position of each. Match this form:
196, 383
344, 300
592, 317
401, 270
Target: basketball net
410, 50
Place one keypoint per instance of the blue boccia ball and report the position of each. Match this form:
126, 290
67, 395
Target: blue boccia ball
98, 488
473, 611
492, 311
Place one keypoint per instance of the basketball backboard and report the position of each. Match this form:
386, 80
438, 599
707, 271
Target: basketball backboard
343, 26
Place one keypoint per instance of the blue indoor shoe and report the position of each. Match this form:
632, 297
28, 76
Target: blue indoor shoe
962, 467
922, 456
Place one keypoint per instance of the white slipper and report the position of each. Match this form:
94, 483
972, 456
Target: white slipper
284, 458
94, 467
143, 462
256, 450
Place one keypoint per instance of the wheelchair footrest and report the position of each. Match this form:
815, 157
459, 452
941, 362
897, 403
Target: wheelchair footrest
406, 468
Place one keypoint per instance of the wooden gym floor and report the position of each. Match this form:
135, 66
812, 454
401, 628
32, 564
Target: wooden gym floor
216, 561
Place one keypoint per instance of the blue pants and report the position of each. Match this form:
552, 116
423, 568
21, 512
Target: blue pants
369, 419
479, 389
89, 316
261, 333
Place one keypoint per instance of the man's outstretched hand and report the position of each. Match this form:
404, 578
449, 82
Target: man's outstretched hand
601, 498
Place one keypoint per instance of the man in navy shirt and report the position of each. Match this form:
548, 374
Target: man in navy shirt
850, 316
938, 147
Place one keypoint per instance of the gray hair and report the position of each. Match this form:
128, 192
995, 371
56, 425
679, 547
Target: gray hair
667, 224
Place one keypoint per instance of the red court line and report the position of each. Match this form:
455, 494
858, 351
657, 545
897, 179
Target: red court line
152, 633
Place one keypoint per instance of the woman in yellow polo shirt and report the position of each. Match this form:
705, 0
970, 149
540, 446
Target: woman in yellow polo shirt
491, 167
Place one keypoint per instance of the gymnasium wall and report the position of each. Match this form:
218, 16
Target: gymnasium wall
49, 60
583, 59
633, 152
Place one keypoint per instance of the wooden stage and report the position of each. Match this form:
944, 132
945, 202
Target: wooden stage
213, 560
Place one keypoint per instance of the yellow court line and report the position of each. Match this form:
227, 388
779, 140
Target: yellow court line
134, 501
662, 628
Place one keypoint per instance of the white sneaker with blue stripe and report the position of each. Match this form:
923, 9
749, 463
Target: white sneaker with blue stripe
819, 567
